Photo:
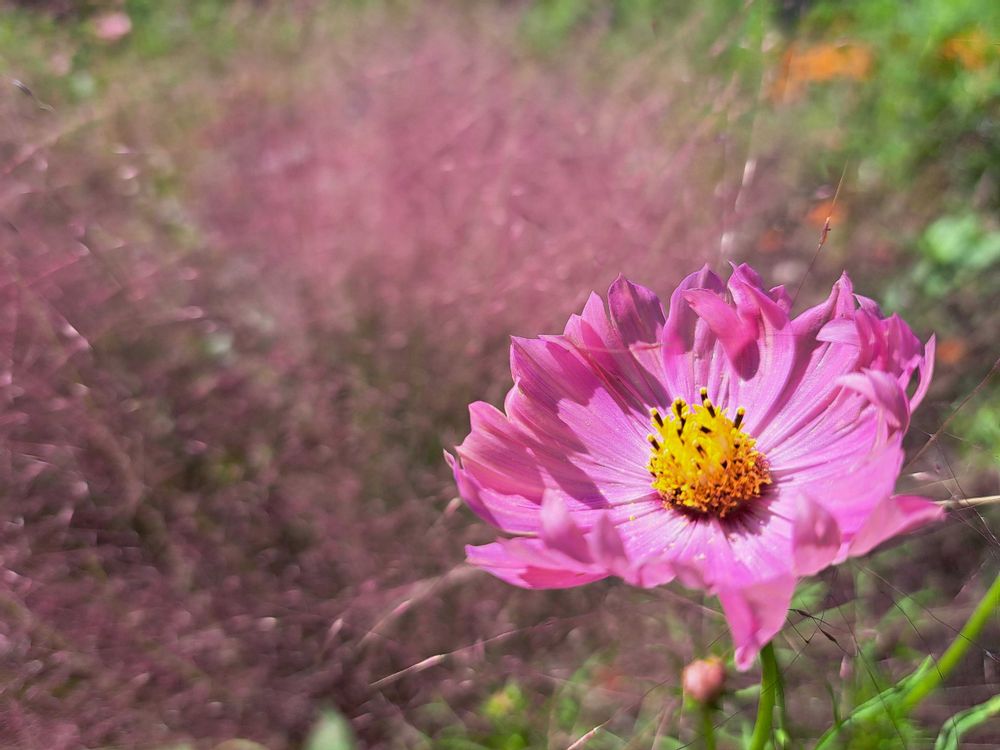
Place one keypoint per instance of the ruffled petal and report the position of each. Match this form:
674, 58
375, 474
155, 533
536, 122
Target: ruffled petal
755, 615
559, 532
512, 513
529, 564
636, 312
811, 387
559, 398
637, 318
816, 537
848, 487
752, 546
885, 394
926, 368
781, 297
688, 344
607, 550
893, 516
749, 351
595, 339
734, 333
776, 350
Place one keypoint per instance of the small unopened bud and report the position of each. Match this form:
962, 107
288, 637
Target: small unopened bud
704, 680
110, 27
846, 668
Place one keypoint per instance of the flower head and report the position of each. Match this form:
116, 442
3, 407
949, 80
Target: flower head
721, 442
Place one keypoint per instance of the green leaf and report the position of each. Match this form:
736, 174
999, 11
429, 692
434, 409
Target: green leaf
963, 721
885, 702
332, 732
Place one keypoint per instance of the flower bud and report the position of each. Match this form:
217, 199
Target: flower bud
704, 680
110, 27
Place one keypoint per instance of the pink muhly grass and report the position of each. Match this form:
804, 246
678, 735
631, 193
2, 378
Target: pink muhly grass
433, 188
785, 464
195, 439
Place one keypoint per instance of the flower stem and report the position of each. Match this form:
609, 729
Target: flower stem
770, 678
708, 725
782, 736
954, 653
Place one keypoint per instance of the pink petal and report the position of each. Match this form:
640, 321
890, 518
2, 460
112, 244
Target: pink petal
497, 454
810, 386
734, 333
883, 391
816, 537
755, 615
926, 373
637, 317
607, 548
751, 299
559, 397
514, 514
751, 547
558, 530
893, 516
524, 563
636, 312
839, 331
679, 329
848, 484
781, 297
776, 352
687, 342
758, 348
651, 573
632, 368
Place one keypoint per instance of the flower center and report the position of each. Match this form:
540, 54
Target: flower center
702, 461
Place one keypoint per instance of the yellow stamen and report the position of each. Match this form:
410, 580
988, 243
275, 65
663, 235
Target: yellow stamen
702, 461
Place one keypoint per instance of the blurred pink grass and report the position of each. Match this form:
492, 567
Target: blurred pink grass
222, 456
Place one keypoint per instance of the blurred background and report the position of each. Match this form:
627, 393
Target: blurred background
256, 258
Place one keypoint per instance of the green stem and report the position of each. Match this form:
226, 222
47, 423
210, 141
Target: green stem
781, 735
954, 653
708, 725
770, 679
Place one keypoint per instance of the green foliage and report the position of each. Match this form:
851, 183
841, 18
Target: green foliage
332, 732
980, 427
878, 720
961, 242
509, 722
160, 27
934, 88
954, 251
923, 130
506, 725
964, 721
64, 57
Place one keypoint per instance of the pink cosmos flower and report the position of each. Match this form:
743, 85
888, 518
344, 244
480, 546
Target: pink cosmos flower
722, 443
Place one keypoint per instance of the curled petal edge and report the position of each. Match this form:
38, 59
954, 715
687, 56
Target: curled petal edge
755, 615
893, 516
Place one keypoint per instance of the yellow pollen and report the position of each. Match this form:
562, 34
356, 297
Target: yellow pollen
702, 461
